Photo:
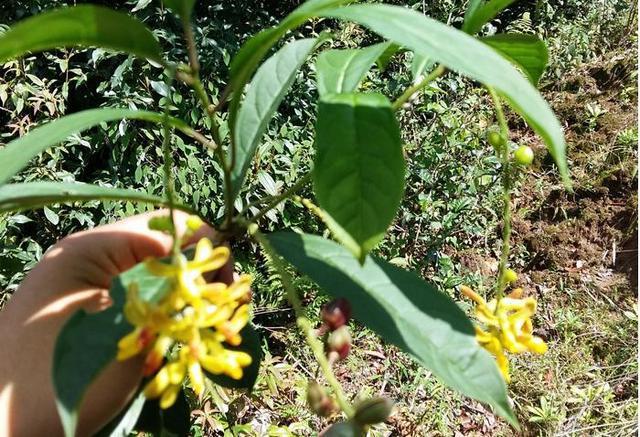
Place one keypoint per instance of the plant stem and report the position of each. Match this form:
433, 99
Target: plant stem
303, 323
439, 71
167, 170
506, 193
201, 93
275, 200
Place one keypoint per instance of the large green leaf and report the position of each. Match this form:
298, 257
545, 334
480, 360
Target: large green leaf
465, 54
79, 26
526, 51
270, 84
340, 71
359, 167
480, 12
18, 153
88, 342
245, 62
404, 310
419, 64
17, 197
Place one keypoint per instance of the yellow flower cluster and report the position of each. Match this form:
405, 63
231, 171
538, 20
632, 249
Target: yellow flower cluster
508, 326
197, 316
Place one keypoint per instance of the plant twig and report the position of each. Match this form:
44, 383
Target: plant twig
506, 193
303, 323
439, 71
201, 93
275, 200
167, 170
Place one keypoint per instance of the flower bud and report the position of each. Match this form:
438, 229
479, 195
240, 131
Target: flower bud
496, 139
336, 313
372, 411
160, 223
523, 156
318, 400
510, 276
339, 342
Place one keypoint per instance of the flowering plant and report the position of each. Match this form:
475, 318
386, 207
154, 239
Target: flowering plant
190, 330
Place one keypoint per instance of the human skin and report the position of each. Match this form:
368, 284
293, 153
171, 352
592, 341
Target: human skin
74, 274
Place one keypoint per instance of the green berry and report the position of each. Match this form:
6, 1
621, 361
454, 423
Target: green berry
510, 276
495, 139
523, 156
372, 411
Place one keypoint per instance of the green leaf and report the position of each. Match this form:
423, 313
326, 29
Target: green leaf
385, 58
251, 345
245, 62
340, 71
88, 342
16, 155
359, 166
419, 64
80, 26
125, 422
480, 12
267, 89
404, 310
528, 52
181, 7
342, 429
468, 56
30, 195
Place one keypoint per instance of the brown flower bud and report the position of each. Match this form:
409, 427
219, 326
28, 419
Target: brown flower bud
372, 411
318, 400
336, 313
339, 342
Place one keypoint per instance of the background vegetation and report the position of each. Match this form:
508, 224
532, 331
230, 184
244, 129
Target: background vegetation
577, 252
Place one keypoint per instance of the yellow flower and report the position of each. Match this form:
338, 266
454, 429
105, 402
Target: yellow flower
197, 317
508, 326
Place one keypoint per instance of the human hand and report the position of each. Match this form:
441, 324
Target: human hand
74, 274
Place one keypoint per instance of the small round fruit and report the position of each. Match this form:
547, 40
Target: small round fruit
510, 276
336, 313
523, 156
339, 342
496, 139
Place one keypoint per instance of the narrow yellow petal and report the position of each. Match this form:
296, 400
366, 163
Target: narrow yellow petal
467, 291
212, 364
537, 345
158, 384
169, 396
216, 259
196, 378
159, 268
177, 371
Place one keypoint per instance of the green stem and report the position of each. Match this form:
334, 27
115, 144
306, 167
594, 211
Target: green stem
167, 170
275, 200
201, 93
439, 71
303, 323
506, 193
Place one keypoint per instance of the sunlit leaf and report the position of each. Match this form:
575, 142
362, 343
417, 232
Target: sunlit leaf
359, 167
30, 195
270, 84
526, 51
17, 154
480, 12
79, 26
340, 71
